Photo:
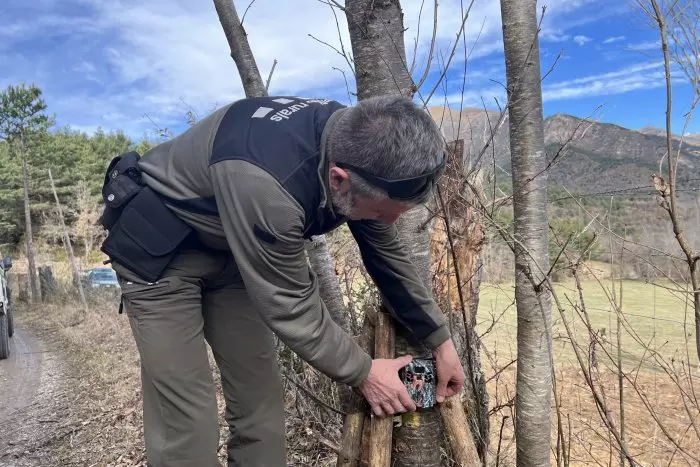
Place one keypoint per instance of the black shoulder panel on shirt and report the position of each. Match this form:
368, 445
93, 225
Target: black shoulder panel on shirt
281, 135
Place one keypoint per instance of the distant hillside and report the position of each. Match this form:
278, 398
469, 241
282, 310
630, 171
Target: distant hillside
596, 156
692, 139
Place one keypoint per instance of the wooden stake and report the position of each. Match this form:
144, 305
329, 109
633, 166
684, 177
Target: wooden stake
380, 442
357, 421
458, 433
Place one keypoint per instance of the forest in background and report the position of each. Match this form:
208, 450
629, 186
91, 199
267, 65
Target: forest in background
78, 161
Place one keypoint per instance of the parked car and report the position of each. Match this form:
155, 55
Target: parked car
7, 326
102, 278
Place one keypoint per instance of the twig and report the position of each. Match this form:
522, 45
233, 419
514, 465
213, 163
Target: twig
269, 77
335, 4
347, 87
332, 47
432, 46
500, 438
348, 60
311, 395
415, 40
452, 53
246, 11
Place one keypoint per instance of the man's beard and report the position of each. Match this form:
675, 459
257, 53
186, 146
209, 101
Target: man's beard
344, 204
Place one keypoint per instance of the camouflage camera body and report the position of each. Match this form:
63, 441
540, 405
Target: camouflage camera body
419, 379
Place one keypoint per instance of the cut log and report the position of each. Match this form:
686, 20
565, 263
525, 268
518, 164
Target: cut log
380, 442
351, 444
458, 433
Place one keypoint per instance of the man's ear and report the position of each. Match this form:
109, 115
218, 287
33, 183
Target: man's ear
339, 179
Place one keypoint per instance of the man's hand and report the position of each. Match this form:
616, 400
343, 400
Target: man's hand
450, 374
383, 388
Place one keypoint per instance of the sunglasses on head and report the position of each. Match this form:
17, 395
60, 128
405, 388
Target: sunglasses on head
405, 189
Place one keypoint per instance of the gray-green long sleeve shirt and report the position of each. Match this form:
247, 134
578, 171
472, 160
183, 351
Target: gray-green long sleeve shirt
252, 178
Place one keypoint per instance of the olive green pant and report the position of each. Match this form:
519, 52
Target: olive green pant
201, 296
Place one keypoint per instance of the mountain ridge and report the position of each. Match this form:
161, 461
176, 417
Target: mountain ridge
585, 155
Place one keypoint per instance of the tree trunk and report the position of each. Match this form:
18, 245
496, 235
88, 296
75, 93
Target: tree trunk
534, 371
35, 289
456, 243
240, 48
77, 283
376, 33
329, 287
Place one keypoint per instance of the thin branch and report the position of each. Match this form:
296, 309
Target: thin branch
333, 48
246, 11
333, 3
432, 47
452, 53
415, 40
347, 86
269, 77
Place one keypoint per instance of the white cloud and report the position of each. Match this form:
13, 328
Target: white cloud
113, 62
554, 36
610, 40
643, 76
582, 40
644, 46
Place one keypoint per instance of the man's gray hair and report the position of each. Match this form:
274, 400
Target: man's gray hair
388, 136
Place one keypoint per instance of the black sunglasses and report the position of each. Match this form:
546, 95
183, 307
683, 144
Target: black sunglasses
406, 189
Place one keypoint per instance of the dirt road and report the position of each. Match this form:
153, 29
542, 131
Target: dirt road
32, 401
20, 376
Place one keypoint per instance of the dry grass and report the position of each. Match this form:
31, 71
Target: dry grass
655, 364
101, 344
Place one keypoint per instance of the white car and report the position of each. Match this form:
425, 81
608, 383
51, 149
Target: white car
6, 319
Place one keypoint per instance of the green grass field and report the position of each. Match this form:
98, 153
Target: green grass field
653, 316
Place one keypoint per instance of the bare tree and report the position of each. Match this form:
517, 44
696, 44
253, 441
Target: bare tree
77, 283
378, 49
533, 302
86, 225
684, 17
240, 48
377, 38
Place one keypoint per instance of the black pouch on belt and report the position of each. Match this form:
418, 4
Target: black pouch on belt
121, 183
146, 236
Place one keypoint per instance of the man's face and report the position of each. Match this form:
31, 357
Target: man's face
355, 207
385, 211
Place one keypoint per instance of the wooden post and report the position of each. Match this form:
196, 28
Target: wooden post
47, 283
356, 420
458, 433
22, 286
380, 442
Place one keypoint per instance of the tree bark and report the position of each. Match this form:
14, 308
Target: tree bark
77, 283
240, 48
533, 302
329, 287
456, 243
376, 33
34, 287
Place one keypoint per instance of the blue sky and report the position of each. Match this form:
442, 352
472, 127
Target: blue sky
134, 64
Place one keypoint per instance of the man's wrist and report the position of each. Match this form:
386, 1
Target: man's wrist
362, 375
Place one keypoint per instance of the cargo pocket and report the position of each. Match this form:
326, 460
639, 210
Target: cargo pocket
146, 236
